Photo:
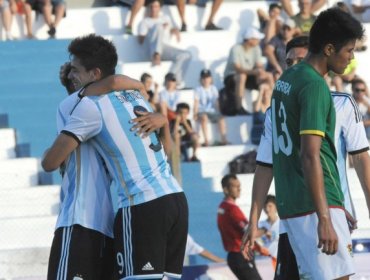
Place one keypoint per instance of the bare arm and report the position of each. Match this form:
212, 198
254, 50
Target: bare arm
361, 163
314, 179
261, 185
115, 83
360, 9
317, 5
241, 70
208, 255
270, 54
58, 152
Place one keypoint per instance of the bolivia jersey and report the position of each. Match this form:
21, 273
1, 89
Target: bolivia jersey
86, 197
138, 166
301, 104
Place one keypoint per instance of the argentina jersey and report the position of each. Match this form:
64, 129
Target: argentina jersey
138, 166
85, 189
350, 137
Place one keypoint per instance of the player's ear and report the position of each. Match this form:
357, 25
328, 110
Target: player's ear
95, 74
329, 49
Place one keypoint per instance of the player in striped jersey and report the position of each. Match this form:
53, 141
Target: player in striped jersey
83, 242
151, 223
349, 138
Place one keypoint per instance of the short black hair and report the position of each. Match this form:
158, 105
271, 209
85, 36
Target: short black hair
273, 6
144, 76
297, 42
336, 27
270, 198
225, 181
94, 51
182, 105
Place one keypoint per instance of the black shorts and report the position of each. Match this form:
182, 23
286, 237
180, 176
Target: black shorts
80, 253
286, 265
243, 269
150, 238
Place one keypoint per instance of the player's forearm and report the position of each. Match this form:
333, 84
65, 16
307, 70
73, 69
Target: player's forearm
115, 83
208, 255
261, 185
361, 163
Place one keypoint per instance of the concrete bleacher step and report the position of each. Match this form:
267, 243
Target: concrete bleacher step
29, 202
28, 232
7, 143
24, 264
18, 173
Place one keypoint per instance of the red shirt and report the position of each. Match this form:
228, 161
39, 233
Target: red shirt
231, 223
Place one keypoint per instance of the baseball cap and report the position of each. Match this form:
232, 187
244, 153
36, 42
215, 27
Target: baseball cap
205, 73
170, 77
289, 22
253, 33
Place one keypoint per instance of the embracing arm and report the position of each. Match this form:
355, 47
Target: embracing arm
115, 83
63, 145
361, 163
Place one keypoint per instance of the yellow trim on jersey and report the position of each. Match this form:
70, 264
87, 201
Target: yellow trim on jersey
312, 131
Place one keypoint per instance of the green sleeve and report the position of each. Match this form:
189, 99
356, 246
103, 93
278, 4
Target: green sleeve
314, 101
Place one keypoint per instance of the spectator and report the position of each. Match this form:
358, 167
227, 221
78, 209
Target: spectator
259, 108
183, 133
135, 6
169, 97
231, 224
193, 248
316, 5
155, 30
46, 8
271, 23
6, 17
361, 8
244, 68
149, 85
275, 49
305, 18
361, 95
270, 227
206, 107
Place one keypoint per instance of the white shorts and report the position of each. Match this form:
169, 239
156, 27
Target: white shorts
312, 263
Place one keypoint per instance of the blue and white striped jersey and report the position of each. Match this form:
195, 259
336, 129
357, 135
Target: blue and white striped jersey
86, 196
138, 166
350, 137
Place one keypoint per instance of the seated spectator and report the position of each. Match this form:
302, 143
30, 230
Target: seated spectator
316, 5
6, 17
206, 107
270, 228
259, 108
245, 68
155, 30
135, 6
271, 22
46, 8
361, 95
152, 90
183, 133
275, 49
361, 8
305, 18
169, 97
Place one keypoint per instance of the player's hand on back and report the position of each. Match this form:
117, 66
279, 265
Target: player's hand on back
147, 122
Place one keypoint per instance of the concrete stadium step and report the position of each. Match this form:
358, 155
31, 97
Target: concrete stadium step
29, 202
24, 264
7, 143
222, 153
19, 173
28, 232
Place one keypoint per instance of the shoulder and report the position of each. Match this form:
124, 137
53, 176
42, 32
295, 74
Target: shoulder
345, 104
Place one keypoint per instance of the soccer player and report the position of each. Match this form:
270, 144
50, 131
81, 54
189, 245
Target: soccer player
330, 52
83, 241
150, 227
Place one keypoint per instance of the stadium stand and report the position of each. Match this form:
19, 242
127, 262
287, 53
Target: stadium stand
30, 93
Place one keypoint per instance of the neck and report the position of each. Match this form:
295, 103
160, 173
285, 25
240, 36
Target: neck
318, 62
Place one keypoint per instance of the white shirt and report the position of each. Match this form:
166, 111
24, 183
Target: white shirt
271, 243
207, 98
148, 23
170, 98
192, 247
